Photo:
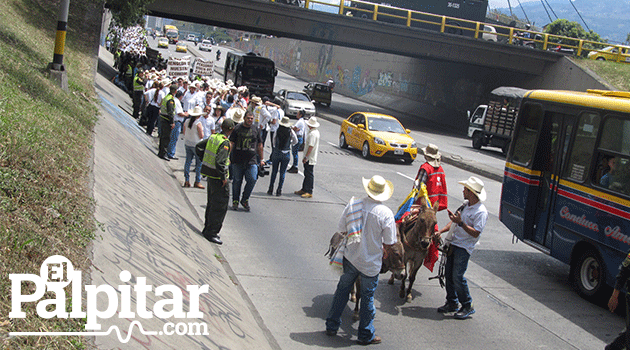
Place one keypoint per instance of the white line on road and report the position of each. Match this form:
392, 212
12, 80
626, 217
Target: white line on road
403, 175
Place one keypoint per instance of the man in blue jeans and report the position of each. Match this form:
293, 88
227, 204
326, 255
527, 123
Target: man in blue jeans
300, 129
246, 157
470, 223
370, 226
311, 148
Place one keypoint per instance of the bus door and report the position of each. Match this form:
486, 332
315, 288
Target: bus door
551, 154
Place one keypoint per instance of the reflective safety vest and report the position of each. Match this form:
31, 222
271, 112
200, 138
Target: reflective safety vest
163, 109
209, 164
436, 185
137, 85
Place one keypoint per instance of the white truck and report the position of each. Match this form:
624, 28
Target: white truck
493, 124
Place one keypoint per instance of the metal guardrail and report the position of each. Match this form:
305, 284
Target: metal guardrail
444, 24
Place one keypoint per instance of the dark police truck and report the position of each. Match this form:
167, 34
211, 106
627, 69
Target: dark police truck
249, 69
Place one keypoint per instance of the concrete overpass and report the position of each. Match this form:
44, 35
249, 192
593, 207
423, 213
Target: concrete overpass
353, 32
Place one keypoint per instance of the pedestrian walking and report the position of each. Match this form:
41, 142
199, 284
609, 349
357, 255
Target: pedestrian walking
373, 227
193, 133
246, 157
215, 168
621, 283
470, 221
282, 140
311, 148
300, 129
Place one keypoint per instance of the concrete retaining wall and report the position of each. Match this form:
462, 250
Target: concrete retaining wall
428, 89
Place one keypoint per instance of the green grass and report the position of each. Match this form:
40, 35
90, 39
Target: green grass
45, 155
616, 74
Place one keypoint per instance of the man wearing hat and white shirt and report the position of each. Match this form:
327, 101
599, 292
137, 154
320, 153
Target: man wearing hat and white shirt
180, 117
311, 148
470, 220
372, 226
432, 175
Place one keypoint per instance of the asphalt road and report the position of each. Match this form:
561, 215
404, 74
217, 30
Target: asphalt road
522, 297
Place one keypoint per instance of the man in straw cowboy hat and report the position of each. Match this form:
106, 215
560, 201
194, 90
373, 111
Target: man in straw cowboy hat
370, 225
470, 221
311, 148
432, 175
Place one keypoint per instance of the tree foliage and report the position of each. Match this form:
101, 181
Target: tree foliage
570, 29
128, 13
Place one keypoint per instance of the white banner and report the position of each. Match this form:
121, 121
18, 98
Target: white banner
203, 67
178, 67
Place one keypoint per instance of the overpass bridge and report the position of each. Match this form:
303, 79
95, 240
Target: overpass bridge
354, 32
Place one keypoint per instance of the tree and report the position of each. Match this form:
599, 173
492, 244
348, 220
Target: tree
128, 13
566, 28
627, 42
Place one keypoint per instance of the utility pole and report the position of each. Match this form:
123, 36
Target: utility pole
56, 67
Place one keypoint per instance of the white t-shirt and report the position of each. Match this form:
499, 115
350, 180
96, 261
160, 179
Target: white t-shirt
276, 114
312, 139
475, 216
379, 227
300, 125
178, 110
261, 116
188, 101
208, 126
149, 97
191, 136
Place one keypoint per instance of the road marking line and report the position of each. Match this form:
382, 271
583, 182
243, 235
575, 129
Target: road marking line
403, 175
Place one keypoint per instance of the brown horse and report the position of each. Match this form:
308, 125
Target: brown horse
417, 233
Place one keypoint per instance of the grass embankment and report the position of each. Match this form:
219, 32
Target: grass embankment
45, 151
616, 74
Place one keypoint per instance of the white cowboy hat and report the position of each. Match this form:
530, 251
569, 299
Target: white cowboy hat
378, 188
257, 100
475, 185
312, 122
197, 111
286, 122
431, 155
236, 114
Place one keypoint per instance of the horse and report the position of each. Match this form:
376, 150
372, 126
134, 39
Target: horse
417, 233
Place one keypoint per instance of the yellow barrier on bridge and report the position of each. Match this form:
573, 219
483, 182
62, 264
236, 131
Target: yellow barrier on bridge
511, 35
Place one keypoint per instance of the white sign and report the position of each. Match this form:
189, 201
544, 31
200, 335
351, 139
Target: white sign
203, 67
178, 67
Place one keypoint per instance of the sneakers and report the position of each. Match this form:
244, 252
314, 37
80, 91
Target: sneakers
465, 312
245, 205
234, 205
293, 170
307, 195
448, 308
299, 193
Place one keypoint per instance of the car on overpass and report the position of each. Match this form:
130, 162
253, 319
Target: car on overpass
611, 53
206, 45
292, 101
181, 47
378, 135
162, 42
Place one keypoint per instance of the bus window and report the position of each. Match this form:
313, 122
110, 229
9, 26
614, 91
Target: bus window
579, 161
525, 140
613, 170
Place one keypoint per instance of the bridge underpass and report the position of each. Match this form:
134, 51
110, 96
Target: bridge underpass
405, 69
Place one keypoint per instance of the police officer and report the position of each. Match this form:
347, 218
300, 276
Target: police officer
216, 160
621, 342
138, 92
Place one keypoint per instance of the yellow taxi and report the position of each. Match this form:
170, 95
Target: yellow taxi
611, 53
162, 42
377, 135
181, 47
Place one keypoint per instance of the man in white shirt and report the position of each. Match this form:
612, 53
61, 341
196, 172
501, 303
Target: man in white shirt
299, 128
470, 221
180, 117
372, 226
311, 148
188, 101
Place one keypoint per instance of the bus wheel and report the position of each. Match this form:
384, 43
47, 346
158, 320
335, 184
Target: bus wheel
477, 140
589, 278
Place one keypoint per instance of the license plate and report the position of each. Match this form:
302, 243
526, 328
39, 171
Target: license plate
399, 151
